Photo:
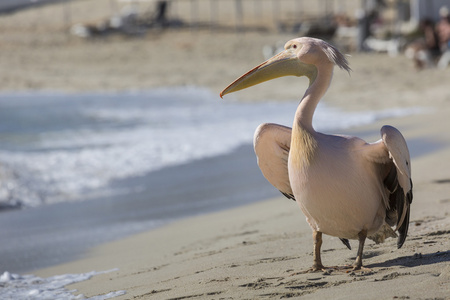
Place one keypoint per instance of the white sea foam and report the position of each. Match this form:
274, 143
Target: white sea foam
69, 147
14, 286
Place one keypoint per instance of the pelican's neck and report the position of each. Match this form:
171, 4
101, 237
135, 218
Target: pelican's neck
303, 140
318, 85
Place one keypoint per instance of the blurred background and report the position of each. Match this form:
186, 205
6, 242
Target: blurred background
111, 123
348, 22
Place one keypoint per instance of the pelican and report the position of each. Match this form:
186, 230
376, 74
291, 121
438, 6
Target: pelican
345, 187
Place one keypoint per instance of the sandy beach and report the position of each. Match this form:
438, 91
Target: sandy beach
256, 251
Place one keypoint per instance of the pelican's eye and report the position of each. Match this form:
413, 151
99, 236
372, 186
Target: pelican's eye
294, 46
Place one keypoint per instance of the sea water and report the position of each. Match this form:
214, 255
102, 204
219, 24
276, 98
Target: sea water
14, 286
57, 147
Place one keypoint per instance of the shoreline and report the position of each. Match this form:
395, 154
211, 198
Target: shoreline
80, 226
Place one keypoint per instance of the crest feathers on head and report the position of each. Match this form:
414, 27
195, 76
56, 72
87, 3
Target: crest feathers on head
336, 57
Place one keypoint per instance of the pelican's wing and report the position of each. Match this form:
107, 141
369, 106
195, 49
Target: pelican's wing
398, 181
272, 143
393, 153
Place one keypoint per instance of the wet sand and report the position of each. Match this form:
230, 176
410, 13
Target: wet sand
255, 251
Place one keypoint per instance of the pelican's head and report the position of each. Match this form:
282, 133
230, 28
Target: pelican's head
301, 57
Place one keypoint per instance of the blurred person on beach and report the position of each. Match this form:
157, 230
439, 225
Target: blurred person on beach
425, 50
443, 33
433, 46
368, 17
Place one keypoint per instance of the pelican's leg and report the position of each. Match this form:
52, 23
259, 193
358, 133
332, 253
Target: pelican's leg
317, 265
362, 238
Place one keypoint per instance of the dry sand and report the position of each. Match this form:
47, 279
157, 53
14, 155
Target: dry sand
255, 251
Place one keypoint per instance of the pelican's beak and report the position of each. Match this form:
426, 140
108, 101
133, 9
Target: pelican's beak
283, 64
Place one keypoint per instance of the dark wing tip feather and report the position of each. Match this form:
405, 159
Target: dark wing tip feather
289, 196
346, 243
399, 205
409, 195
403, 230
